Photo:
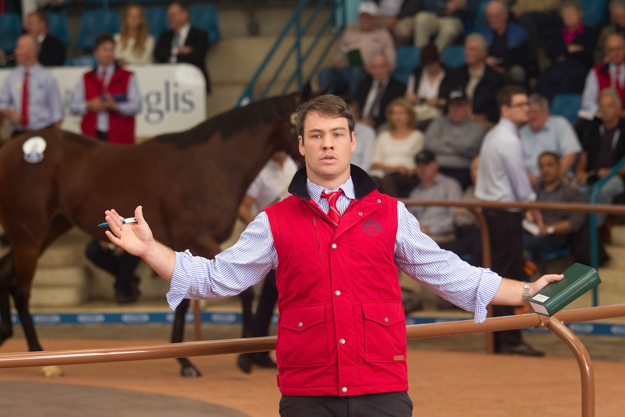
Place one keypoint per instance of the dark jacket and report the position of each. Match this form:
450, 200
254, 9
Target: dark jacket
557, 47
52, 52
443, 91
485, 96
197, 39
591, 143
517, 41
393, 90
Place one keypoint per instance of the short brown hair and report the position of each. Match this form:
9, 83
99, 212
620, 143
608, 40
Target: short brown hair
41, 15
429, 54
504, 96
406, 105
328, 106
102, 39
183, 6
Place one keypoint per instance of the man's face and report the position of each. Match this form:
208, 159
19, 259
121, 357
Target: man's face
516, 112
618, 17
549, 168
105, 54
367, 22
426, 171
459, 112
326, 146
537, 117
571, 16
496, 16
473, 52
34, 25
609, 109
25, 51
615, 50
379, 68
176, 17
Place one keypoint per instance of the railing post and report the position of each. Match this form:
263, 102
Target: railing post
583, 360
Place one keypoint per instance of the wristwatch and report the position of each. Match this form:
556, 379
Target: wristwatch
526, 292
550, 230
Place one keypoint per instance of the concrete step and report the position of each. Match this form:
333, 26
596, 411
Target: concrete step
61, 277
58, 296
617, 257
618, 235
63, 254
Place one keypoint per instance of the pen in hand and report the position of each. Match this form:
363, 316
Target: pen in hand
124, 221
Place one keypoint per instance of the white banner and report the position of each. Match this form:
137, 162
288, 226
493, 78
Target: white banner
173, 97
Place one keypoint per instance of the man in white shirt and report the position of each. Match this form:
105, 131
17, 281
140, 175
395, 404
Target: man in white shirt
502, 177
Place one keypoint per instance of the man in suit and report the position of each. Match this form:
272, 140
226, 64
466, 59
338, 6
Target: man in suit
52, 48
479, 81
377, 90
183, 42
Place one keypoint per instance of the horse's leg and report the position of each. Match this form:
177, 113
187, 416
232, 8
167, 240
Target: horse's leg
177, 335
6, 276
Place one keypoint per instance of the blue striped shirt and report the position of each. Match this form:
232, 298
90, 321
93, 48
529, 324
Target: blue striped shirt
248, 261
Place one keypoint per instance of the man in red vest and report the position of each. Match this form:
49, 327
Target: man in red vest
107, 97
335, 245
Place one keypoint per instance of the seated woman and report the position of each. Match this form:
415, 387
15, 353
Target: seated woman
134, 45
571, 54
428, 85
393, 158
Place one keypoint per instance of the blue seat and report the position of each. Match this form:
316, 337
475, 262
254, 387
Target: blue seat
453, 56
157, 20
567, 105
479, 24
594, 11
205, 17
80, 61
408, 57
94, 23
10, 31
57, 26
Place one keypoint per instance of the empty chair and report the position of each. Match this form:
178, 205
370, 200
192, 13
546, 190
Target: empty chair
157, 20
408, 57
94, 23
57, 26
205, 18
567, 105
453, 56
10, 30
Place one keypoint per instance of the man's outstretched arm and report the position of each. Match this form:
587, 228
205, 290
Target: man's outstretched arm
510, 292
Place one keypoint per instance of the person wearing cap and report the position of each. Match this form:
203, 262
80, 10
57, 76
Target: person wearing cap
502, 177
455, 139
436, 222
358, 45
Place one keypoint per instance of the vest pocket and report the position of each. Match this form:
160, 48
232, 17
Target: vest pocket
303, 338
385, 332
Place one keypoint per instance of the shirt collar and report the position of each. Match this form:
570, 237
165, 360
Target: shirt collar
41, 37
314, 190
509, 125
109, 69
185, 29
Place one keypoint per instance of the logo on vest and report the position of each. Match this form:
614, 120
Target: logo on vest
371, 227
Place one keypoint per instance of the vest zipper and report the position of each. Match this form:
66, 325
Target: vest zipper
317, 235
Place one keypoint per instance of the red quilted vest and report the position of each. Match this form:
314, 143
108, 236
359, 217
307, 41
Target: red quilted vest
121, 127
602, 72
342, 327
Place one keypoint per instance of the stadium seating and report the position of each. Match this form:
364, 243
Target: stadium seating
94, 23
567, 105
594, 11
57, 26
10, 30
205, 17
408, 57
479, 24
157, 20
453, 56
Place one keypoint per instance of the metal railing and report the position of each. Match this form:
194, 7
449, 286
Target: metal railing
334, 24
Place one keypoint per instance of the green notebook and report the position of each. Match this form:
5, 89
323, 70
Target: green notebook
354, 58
578, 280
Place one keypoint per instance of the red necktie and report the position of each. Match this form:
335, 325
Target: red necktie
25, 99
103, 80
333, 212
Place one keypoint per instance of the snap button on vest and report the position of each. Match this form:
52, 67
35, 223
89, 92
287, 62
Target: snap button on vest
334, 246
300, 323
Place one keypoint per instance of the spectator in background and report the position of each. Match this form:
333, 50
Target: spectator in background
377, 90
479, 81
52, 49
546, 133
395, 149
536, 16
118, 263
446, 24
615, 25
134, 45
603, 76
365, 138
559, 226
107, 97
398, 19
570, 52
603, 147
455, 139
357, 48
183, 42
428, 85
435, 221
508, 45
29, 96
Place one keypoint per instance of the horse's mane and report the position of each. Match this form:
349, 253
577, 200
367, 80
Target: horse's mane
264, 111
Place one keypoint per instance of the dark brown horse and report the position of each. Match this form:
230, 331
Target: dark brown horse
190, 185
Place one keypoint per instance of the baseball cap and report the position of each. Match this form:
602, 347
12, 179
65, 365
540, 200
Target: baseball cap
369, 8
458, 96
425, 156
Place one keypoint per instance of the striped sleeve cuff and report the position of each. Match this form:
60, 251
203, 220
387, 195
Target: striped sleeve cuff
179, 285
488, 286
